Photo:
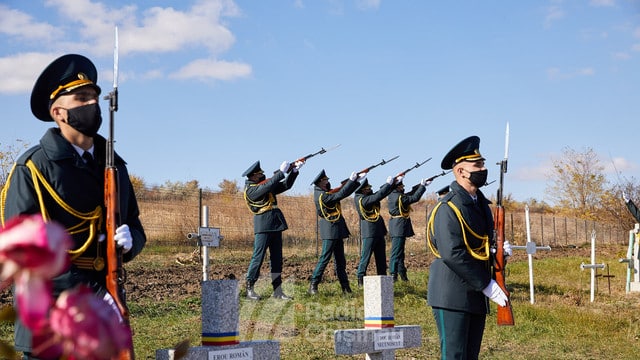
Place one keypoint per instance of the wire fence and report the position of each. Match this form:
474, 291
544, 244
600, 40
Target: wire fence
168, 219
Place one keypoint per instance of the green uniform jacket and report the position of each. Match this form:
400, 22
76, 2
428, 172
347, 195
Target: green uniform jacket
79, 187
399, 225
456, 279
634, 210
370, 202
333, 229
270, 220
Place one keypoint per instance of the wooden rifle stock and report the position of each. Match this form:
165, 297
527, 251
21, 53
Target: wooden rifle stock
115, 276
505, 313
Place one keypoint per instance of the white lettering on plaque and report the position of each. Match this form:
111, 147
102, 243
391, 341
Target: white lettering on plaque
233, 354
388, 340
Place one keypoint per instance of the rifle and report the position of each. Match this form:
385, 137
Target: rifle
115, 277
417, 165
365, 170
415, 187
307, 157
304, 158
505, 313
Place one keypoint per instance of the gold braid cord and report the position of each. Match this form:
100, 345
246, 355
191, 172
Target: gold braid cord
480, 253
263, 206
90, 221
404, 213
369, 215
332, 214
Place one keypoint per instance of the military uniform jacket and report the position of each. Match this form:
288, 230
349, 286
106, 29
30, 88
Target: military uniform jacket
634, 210
456, 279
78, 186
270, 218
369, 203
337, 227
401, 225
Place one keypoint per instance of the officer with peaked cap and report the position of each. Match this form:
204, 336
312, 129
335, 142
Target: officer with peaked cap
372, 227
443, 191
400, 227
268, 222
460, 234
72, 186
333, 227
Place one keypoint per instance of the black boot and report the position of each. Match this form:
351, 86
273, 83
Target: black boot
346, 289
313, 289
395, 277
251, 294
278, 294
360, 282
403, 276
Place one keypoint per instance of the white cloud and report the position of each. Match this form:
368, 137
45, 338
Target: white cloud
19, 72
87, 27
24, 27
602, 3
622, 55
206, 69
368, 4
554, 13
558, 74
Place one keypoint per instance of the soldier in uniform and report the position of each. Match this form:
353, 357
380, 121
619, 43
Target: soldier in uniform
268, 222
400, 226
372, 226
333, 227
66, 167
460, 234
442, 192
633, 209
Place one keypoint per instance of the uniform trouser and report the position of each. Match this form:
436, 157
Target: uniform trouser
375, 246
330, 247
272, 241
460, 333
396, 262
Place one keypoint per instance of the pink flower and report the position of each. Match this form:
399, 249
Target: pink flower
32, 253
88, 327
28, 244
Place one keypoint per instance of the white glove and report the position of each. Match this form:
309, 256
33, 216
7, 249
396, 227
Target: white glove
297, 165
399, 179
506, 249
362, 176
284, 167
354, 176
625, 197
123, 237
390, 180
425, 182
495, 293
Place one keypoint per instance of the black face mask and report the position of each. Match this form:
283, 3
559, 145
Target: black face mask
262, 177
478, 178
328, 186
86, 119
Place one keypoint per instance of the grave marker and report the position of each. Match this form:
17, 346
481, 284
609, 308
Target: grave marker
220, 329
380, 337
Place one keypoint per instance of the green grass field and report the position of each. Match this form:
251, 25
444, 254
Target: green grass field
562, 324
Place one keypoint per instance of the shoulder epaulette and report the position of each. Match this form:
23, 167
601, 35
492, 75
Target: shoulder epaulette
22, 160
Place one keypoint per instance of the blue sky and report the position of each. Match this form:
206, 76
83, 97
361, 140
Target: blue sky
207, 87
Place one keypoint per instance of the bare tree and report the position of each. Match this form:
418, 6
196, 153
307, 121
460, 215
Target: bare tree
8, 156
577, 183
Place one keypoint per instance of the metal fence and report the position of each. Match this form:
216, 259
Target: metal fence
167, 220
